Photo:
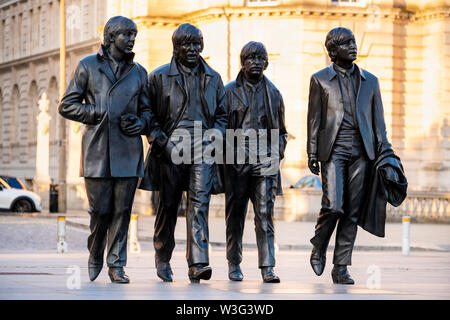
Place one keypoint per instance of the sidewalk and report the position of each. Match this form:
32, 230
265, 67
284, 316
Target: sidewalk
31, 268
292, 235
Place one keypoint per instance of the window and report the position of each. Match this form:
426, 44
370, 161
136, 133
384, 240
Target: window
261, 3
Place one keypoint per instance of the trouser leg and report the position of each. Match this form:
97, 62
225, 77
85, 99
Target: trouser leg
99, 194
122, 203
166, 214
236, 202
199, 194
356, 187
262, 194
333, 179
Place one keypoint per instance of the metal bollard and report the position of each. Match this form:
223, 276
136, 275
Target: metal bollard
406, 223
61, 245
135, 247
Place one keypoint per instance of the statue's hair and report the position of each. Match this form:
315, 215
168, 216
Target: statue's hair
186, 31
251, 48
334, 39
116, 25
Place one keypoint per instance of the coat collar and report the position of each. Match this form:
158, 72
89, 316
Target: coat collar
104, 67
173, 69
332, 73
269, 87
240, 80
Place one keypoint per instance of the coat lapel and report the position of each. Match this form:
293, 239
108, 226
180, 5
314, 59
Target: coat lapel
208, 72
106, 70
174, 73
361, 79
239, 92
269, 105
335, 90
126, 71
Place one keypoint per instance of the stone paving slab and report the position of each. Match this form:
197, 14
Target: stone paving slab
44, 275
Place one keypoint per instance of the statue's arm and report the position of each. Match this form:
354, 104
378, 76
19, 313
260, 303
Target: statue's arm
221, 113
313, 125
314, 116
155, 132
379, 129
282, 128
72, 106
144, 109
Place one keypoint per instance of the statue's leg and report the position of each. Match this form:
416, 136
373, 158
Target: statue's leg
166, 215
333, 178
199, 194
236, 202
122, 202
262, 195
355, 190
99, 194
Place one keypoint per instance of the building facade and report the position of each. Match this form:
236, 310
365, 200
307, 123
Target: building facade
405, 43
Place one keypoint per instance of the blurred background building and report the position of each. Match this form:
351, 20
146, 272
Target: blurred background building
405, 43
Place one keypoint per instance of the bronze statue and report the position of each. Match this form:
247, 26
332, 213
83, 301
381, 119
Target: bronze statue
183, 93
108, 94
346, 132
254, 103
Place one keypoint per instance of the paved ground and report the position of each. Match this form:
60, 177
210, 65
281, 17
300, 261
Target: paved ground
44, 275
31, 269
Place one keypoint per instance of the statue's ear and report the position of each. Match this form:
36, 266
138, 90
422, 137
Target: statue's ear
202, 45
111, 37
332, 55
266, 64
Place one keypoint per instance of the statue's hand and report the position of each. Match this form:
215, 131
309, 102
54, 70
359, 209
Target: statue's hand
132, 125
313, 164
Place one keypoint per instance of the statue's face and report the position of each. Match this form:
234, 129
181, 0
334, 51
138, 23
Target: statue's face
124, 41
255, 64
347, 50
188, 51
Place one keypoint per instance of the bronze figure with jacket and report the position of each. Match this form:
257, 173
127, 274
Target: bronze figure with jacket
109, 95
184, 94
346, 131
255, 109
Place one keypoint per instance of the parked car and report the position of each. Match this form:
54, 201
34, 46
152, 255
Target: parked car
310, 181
13, 182
18, 200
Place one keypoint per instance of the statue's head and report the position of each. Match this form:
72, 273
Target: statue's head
120, 32
341, 45
254, 59
187, 43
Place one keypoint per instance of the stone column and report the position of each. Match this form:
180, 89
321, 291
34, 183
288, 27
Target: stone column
42, 178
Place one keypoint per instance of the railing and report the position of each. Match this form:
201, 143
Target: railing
423, 206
